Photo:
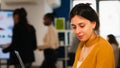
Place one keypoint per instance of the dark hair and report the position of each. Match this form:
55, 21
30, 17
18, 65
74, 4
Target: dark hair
16, 11
50, 16
112, 39
21, 12
85, 11
23, 16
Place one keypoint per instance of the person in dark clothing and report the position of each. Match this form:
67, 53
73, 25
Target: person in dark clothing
23, 40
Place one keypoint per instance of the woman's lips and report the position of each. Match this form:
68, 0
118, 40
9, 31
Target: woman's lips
80, 37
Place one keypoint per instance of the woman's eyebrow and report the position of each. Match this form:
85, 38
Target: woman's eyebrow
72, 25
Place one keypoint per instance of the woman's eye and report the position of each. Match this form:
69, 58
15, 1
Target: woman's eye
74, 27
82, 26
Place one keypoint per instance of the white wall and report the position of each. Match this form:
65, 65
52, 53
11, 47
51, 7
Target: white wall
35, 16
110, 18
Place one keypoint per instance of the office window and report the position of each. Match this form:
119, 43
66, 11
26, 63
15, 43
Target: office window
109, 12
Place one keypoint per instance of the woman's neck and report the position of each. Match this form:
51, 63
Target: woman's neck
91, 39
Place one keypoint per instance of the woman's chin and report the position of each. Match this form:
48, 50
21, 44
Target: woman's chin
82, 40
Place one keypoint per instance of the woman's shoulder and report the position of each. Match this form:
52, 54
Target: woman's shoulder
17, 27
103, 43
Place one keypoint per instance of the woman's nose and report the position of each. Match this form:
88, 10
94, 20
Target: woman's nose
78, 30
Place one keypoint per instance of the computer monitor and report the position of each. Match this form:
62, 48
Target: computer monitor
6, 26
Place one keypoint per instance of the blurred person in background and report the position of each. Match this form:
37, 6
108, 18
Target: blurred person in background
23, 40
50, 44
112, 40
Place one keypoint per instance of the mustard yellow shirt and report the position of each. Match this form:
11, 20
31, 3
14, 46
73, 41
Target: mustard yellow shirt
101, 56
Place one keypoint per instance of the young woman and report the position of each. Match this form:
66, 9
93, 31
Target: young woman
23, 40
93, 51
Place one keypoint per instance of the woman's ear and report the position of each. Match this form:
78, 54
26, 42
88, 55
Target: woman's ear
93, 24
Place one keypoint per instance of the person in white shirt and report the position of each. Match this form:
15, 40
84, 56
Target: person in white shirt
50, 44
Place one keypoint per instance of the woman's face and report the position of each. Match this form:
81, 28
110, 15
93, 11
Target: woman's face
16, 18
82, 27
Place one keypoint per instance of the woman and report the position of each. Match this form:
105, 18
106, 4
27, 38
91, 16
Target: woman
93, 51
112, 40
23, 40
